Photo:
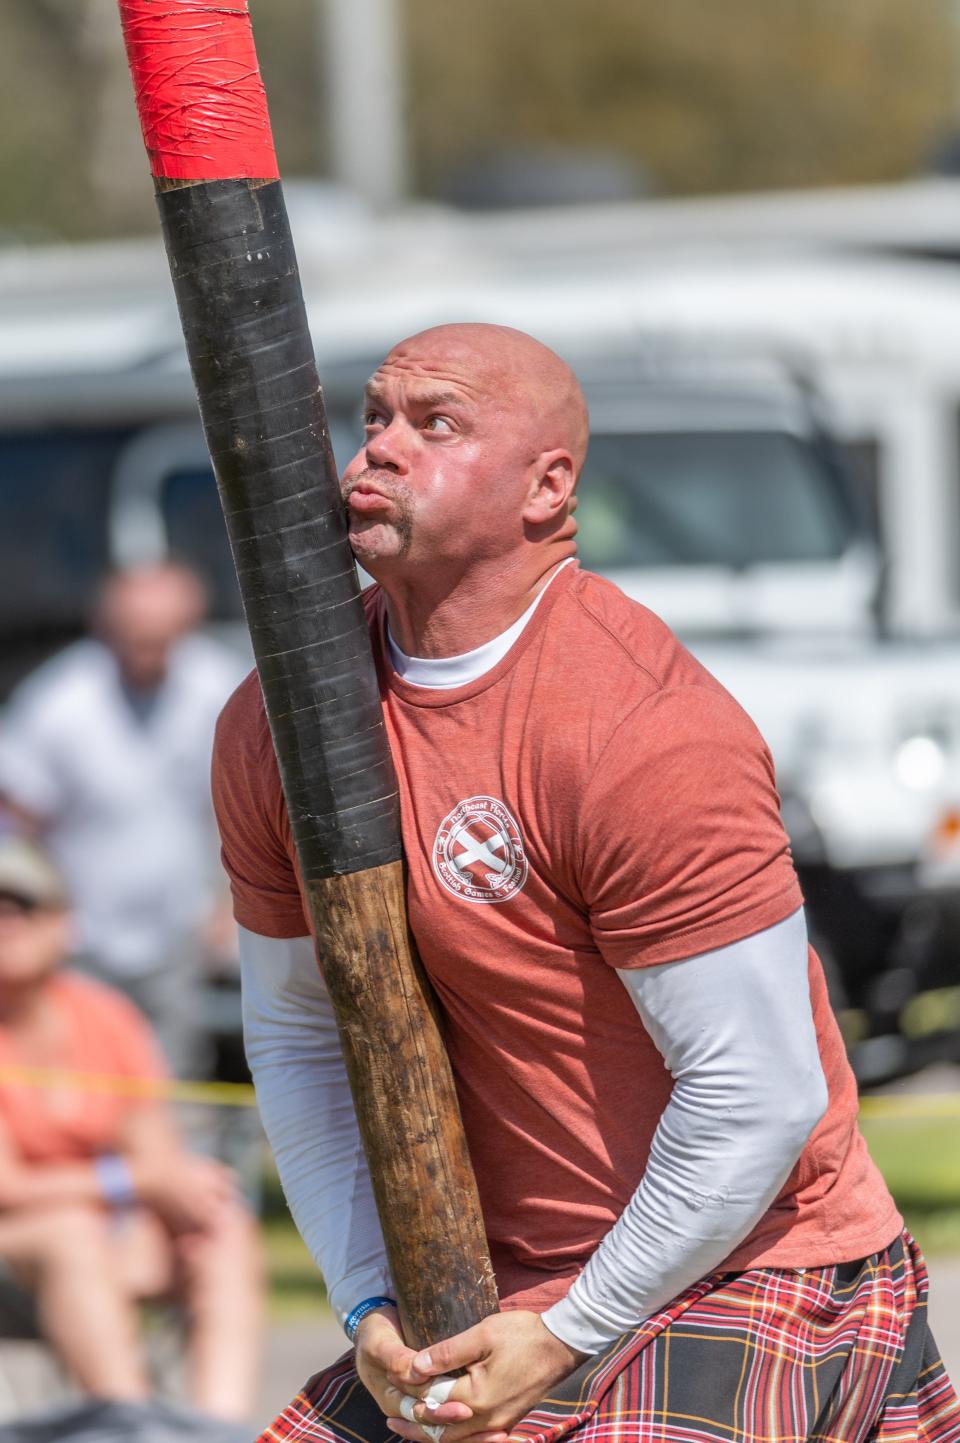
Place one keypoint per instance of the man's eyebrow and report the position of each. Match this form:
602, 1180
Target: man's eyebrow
426, 399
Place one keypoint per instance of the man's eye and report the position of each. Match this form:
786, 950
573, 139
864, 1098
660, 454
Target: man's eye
372, 418
438, 423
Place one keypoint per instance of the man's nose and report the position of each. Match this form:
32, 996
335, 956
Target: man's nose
385, 449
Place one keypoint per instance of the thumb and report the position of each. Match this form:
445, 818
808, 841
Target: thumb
457, 1352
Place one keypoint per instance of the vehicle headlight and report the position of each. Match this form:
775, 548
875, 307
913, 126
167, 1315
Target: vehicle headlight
920, 763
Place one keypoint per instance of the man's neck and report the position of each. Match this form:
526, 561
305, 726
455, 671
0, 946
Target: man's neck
447, 672
472, 610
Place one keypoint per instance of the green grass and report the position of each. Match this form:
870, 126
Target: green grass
920, 1159
296, 1288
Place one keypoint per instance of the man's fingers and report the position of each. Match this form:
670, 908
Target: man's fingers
393, 1357
452, 1412
463, 1433
438, 1394
415, 1434
425, 1409
395, 1365
405, 1429
453, 1353
433, 1406
393, 1398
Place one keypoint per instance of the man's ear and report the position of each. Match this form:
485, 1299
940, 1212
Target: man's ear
552, 481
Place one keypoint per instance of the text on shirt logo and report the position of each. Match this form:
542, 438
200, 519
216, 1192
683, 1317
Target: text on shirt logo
479, 854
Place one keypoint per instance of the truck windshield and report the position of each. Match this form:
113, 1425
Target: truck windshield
708, 498
53, 537
197, 534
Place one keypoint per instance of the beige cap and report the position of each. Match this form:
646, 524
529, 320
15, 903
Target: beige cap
27, 872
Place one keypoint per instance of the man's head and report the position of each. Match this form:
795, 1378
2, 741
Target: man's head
141, 615
34, 918
475, 436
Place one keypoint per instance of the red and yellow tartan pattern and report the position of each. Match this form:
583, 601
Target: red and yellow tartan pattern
836, 1355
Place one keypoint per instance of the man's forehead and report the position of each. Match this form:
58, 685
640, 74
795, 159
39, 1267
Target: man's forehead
422, 391
448, 378
506, 372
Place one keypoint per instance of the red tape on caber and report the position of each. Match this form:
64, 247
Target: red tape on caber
202, 105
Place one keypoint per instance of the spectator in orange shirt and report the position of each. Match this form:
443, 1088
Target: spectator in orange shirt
100, 1203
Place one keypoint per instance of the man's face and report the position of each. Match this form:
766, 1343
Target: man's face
442, 475
143, 615
142, 643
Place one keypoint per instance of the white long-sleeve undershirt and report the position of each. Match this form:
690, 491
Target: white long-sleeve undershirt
735, 1028
293, 1049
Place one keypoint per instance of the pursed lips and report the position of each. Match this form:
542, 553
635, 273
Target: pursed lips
365, 498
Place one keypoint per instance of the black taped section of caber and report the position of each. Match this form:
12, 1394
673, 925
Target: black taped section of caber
238, 290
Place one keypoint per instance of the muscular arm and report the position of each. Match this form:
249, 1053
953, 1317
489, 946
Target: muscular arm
735, 1028
294, 1054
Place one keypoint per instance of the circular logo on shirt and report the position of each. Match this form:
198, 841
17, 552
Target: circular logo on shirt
479, 854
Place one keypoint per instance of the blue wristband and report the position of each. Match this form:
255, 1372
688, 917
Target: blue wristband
116, 1182
353, 1320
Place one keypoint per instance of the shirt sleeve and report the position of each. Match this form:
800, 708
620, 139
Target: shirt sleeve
293, 1047
256, 845
682, 849
29, 774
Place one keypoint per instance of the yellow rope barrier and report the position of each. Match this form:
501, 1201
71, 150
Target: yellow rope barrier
211, 1094
911, 1105
242, 1094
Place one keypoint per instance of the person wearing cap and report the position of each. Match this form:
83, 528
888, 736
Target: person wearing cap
100, 1203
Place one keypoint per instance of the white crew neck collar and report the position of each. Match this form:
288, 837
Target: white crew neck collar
446, 672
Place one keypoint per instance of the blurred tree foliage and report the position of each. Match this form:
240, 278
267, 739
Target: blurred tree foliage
708, 94
72, 162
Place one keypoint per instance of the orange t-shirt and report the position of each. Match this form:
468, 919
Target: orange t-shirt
595, 801
103, 1034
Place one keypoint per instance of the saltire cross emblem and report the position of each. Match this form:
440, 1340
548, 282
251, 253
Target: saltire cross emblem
479, 854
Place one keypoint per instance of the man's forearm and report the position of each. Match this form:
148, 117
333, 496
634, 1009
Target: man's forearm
736, 1121
294, 1054
736, 1029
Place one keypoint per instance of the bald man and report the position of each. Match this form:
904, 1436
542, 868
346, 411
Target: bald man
689, 1237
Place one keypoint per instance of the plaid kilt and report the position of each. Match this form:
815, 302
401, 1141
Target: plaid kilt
839, 1355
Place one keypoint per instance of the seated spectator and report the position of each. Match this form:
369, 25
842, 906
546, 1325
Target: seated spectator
100, 1203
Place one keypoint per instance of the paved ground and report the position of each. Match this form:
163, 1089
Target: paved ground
294, 1351
945, 1311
